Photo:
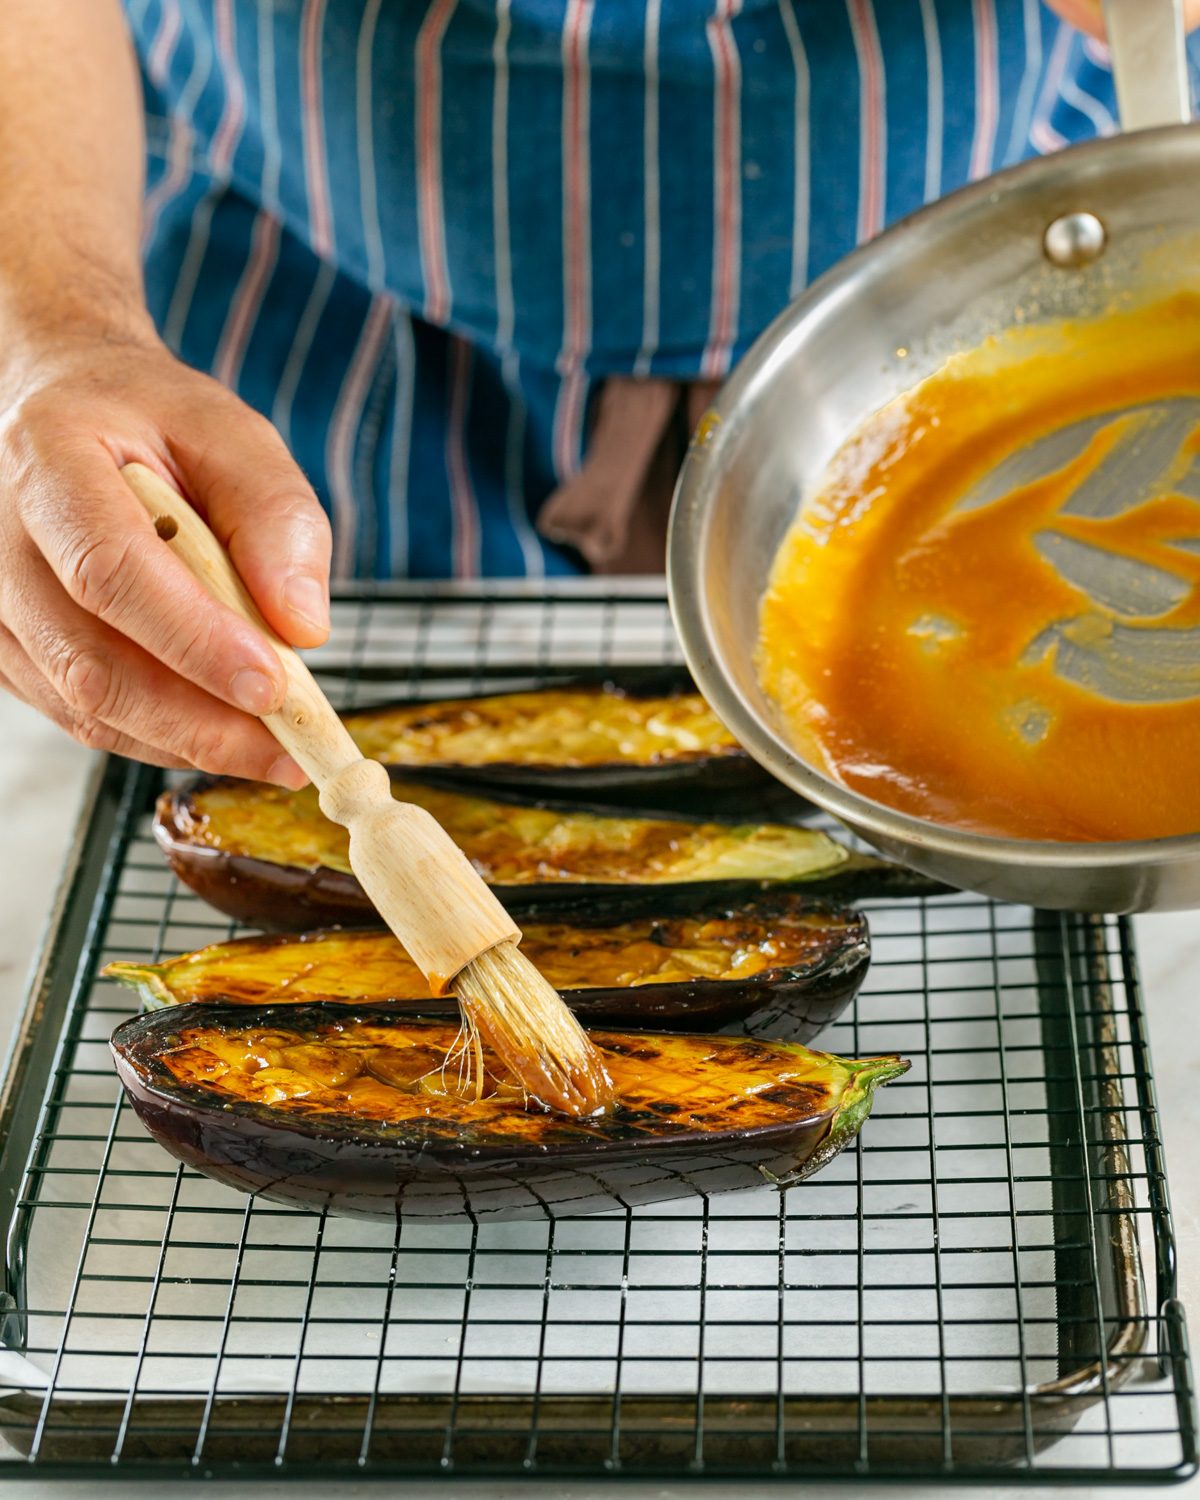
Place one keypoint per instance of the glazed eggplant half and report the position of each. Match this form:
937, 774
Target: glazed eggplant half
635, 737
270, 858
357, 1111
778, 966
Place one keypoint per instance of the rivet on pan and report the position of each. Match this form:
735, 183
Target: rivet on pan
1074, 240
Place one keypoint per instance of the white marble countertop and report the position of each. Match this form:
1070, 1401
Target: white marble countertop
41, 775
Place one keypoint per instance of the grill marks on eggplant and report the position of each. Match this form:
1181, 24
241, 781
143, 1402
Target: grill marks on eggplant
381, 1078
803, 960
348, 1112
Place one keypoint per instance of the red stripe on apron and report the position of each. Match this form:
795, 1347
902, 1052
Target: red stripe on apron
987, 103
871, 125
343, 431
429, 160
320, 213
727, 195
248, 299
229, 130
577, 187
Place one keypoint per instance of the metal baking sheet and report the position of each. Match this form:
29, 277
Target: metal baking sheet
962, 1294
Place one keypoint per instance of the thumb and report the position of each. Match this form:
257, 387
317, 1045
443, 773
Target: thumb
1084, 15
1088, 15
237, 470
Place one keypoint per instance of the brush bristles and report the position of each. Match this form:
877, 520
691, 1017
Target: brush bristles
523, 1020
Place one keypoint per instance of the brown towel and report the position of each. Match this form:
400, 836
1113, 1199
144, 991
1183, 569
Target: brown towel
614, 511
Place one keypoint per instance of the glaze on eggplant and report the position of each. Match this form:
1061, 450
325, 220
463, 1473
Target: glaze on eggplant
354, 1111
780, 966
271, 859
632, 738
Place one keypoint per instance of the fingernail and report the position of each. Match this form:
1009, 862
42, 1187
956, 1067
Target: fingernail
254, 691
306, 597
285, 772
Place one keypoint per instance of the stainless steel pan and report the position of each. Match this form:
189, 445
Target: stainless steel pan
1051, 238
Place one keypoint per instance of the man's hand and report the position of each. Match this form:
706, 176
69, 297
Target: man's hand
1088, 15
101, 627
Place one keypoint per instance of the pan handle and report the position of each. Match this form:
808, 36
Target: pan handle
1146, 39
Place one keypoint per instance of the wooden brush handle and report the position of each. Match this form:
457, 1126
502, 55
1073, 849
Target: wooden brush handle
307, 725
422, 884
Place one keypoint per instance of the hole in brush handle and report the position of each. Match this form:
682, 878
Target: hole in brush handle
167, 527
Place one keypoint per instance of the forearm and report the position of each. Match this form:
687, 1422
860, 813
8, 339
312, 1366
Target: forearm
71, 171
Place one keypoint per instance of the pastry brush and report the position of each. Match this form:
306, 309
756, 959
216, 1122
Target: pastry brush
421, 883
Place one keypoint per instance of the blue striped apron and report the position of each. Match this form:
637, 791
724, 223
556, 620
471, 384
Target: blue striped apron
419, 236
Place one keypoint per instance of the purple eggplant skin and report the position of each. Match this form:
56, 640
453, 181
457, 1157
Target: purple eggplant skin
258, 892
359, 1169
277, 897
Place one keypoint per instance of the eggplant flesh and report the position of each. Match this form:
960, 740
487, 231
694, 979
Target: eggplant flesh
782, 967
270, 858
357, 1112
631, 738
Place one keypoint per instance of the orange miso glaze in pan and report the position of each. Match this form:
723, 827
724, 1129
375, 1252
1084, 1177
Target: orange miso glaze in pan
898, 632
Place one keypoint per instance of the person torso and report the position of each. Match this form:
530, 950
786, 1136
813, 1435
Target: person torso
573, 188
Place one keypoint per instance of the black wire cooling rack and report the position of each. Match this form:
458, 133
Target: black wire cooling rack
959, 1296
